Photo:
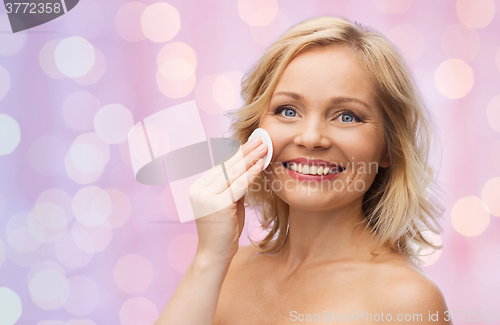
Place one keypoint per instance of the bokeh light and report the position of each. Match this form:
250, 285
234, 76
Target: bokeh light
112, 123
121, 210
84, 295
10, 134
92, 239
68, 252
128, 21
133, 273
49, 289
87, 158
92, 206
491, 195
493, 113
138, 310
74, 56
79, 110
429, 255
476, 13
18, 234
176, 78
160, 22
46, 155
409, 41
470, 216
177, 50
10, 43
393, 6
10, 306
181, 251
257, 12
265, 35
47, 59
96, 72
218, 93
460, 42
454, 78
4, 82
47, 222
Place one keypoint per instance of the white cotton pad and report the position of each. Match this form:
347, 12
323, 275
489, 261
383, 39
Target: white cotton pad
266, 139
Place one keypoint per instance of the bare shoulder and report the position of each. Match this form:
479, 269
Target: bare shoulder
404, 288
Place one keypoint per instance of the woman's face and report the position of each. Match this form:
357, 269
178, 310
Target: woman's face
323, 109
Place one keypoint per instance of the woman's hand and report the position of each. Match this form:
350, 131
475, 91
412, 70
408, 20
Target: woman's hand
218, 200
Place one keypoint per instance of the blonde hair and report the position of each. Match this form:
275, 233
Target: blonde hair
404, 199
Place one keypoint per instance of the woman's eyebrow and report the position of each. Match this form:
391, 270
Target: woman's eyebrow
334, 100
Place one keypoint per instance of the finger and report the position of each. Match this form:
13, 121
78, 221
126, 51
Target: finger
235, 172
239, 187
216, 172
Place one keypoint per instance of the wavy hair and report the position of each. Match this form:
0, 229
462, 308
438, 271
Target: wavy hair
404, 201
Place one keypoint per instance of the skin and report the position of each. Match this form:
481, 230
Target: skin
325, 263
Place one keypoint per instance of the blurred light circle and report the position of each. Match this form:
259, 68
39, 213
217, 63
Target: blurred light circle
181, 251
92, 206
74, 56
47, 222
409, 41
175, 89
80, 322
87, 158
476, 13
217, 93
46, 155
4, 82
69, 254
59, 197
24, 259
79, 173
47, 60
121, 208
89, 21
96, 72
84, 295
10, 43
160, 22
460, 42
177, 50
3, 254
393, 6
493, 113
494, 154
49, 289
454, 78
470, 216
92, 239
112, 123
128, 21
18, 234
138, 310
428, 255
491, 195
10, 134
176, 70
257, 12
10, 306
133, 273
79, 110
265, 35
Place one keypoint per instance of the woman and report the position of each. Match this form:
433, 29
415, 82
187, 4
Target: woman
338, 102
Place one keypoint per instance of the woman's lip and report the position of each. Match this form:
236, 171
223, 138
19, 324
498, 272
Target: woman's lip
313, 178
316, 162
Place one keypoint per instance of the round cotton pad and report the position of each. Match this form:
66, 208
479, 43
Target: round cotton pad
266, 139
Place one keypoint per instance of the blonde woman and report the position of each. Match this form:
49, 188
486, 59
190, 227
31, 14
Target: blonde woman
346, 199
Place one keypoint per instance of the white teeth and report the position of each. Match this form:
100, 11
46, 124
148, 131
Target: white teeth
312, 170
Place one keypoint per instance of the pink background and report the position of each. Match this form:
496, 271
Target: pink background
82, 240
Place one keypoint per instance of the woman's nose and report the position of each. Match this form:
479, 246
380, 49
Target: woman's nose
313, 135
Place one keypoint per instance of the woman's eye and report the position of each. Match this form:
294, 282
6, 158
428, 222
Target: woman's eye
349, 117
289, 112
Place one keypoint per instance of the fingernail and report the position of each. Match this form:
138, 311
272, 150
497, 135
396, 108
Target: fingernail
254, 141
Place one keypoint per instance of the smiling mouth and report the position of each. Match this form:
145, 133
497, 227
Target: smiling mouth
313, 170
